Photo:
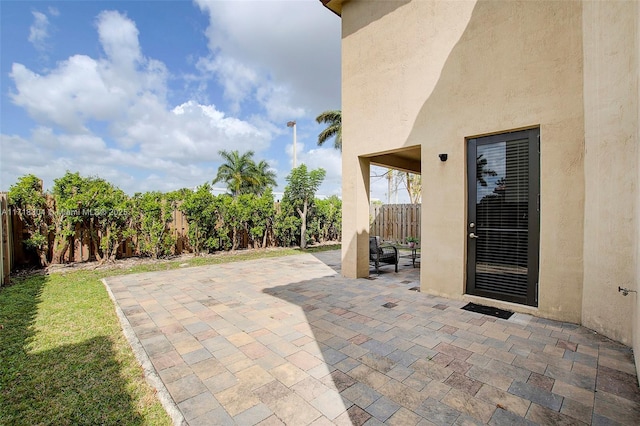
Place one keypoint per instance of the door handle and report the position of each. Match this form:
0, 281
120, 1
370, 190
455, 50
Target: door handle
472, 235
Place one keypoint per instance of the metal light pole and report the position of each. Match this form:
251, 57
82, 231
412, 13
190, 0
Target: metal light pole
293, 124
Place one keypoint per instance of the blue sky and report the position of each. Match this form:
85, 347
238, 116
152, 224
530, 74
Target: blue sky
145, 93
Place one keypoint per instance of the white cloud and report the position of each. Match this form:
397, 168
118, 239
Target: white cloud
278, 103
284, 57
69, 95
119, 39
157, 146
81, 88
49, 155
39, 30
293, 48
237, 80
180, 147
193, 132
328, 159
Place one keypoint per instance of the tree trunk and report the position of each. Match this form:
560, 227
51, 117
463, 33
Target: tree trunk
96, 250
303, 226
234, 238
109, 253
59, 251
94, 241
42, 254
196, 247
113, 251
156, 247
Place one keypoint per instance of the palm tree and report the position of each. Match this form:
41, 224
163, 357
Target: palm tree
334, 120
263, 176
482, 170
238, 171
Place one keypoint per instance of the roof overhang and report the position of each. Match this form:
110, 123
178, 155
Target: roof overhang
405, 159
333, 5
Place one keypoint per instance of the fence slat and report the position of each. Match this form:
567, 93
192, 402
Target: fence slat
83, 248
395, 222
6, 240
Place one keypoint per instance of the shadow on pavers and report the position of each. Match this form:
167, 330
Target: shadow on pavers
375, 340
341, 317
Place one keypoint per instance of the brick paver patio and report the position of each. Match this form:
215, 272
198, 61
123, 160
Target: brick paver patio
289, 341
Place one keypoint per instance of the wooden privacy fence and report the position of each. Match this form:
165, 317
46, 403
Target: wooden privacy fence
395, 222
6, 239
81, 249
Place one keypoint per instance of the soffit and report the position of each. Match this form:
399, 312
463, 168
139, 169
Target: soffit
408, 160
334, 5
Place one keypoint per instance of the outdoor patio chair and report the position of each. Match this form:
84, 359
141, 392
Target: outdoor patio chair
382, 254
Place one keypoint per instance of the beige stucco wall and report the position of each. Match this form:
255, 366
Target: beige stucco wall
611, 167
378, 114
635, 58
435, 73
636, 313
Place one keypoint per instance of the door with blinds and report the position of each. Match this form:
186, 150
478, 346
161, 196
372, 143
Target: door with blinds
503, 224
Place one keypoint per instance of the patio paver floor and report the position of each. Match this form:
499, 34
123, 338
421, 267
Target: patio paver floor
289, 341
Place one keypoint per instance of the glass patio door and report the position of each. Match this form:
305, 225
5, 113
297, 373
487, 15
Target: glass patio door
503, 217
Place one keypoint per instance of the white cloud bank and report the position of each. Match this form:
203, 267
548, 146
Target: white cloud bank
169, 146
288, 54
275, 61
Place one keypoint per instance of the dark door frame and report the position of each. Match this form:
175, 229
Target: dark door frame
533, 248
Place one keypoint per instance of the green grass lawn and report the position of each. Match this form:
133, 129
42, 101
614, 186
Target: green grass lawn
63, 357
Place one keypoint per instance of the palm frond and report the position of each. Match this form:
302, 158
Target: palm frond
242, 175
334, 129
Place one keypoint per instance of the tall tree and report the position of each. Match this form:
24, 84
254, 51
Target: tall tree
237, 171
152, 212
201, 219
263, 178
333, 119
111, 215
300, 192
72, 194
28, 201
414, 187
325, 222
96, 205
243, 176
483, 170
263, 212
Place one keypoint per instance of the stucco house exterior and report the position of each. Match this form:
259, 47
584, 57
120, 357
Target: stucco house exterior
536, 106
